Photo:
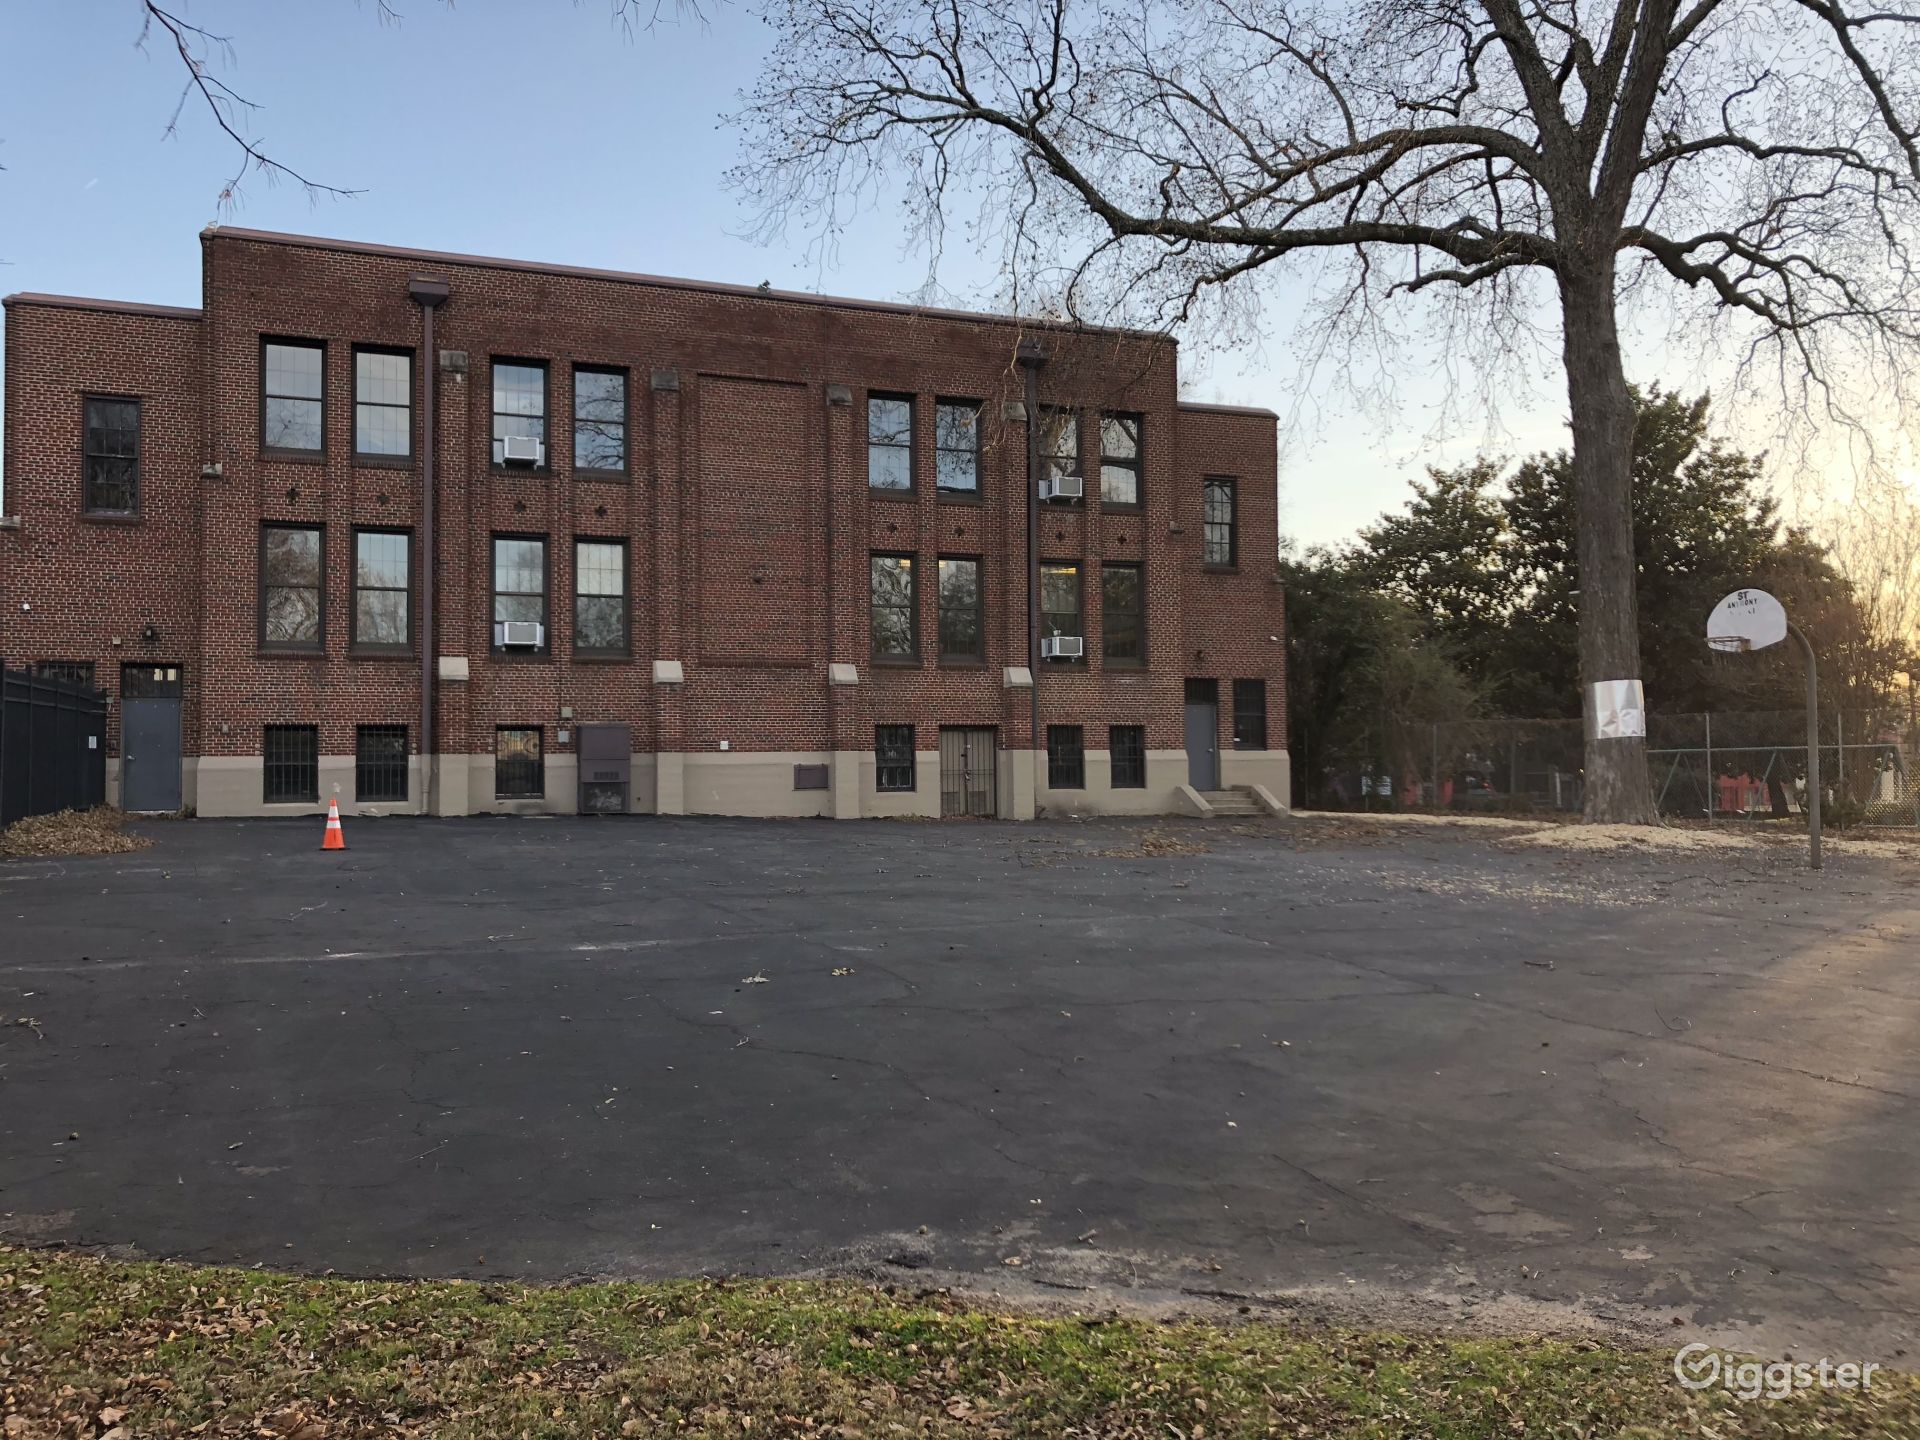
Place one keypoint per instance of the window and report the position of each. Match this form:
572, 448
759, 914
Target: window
890, 442
956, 447
1059, 443
1066, 758
600, 597
519, 584
519, 406
893, 757
380, 763
151, 682
291, 755
1123, 614
894, 635
519, 764
1120, 459
383, 404
72, 672
1218, 543
291, 612
1060, 599
111, 468
962, 636
1249, 714
382, 590
1127, 749
292, 386
600, 420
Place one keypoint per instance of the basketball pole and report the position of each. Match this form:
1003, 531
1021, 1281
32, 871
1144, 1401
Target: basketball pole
1813, 743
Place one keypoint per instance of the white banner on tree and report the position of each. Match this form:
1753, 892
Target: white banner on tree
1616, 710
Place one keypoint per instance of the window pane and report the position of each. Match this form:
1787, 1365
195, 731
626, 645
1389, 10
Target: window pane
380, 559
292, 424
1060, 599
956, 442
520, 565
113, 428
599, 395
890, 422
382, 430
383, 379
599, 445
599, 420
519, 390
380, 617
600, 568
1122, 603
1060, 441
960, 607
294, 370
889, 469
600, 623
1120, 437
112, 485
530, 608
292, 556
892, 581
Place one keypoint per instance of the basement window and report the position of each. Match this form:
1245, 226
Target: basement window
893, 757
519, 763
291, 769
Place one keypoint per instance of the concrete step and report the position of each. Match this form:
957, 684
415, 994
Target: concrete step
1233, 803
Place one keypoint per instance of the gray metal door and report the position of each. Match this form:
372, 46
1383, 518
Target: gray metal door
968, 761
1203, 735
150, 755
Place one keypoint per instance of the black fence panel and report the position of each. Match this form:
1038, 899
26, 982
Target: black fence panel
53, 746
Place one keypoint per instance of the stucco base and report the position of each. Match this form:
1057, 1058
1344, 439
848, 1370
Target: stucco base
1166, 771
1272, 769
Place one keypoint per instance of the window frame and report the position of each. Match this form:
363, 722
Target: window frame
913, 427
950, 493
500, 467
1136, 465
1066, 757
1133, 758
1139, 614
625, 597
381, 766
268, 450
378, 647
267, 646
375, 457
1239, 686
539, 732
1231, 485
625, 377
494, 647
887, 757
268, 766
1051, 463
977, 655
893, 657
1047, 630
87, 456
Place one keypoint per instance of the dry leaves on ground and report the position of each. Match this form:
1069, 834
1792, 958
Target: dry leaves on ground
101, 831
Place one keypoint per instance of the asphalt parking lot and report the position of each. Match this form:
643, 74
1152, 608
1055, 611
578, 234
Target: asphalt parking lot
1300, 1067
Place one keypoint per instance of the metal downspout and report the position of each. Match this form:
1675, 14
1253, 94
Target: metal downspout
429, 295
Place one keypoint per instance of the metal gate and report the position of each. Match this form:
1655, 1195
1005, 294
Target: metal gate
968, 761
53, 746
150, 698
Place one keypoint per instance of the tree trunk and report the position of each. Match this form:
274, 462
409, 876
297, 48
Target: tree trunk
1618, 789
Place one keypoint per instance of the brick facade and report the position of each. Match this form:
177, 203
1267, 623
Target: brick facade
745, 510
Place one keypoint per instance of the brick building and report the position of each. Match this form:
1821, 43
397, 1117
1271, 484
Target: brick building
782, 540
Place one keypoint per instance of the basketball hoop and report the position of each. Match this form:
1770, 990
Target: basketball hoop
1753, 620
1729, 644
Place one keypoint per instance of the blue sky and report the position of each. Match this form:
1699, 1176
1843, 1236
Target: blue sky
525, 128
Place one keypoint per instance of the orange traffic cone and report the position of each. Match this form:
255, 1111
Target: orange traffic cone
336, 838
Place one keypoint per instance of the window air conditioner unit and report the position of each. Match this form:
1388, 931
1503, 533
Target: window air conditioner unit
522, 450
1063, 487
519, 634
1063, 647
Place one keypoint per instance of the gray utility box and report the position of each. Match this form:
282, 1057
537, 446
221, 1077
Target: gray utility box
606, 769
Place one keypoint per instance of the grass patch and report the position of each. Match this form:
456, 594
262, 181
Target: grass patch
91, 1346
101, 831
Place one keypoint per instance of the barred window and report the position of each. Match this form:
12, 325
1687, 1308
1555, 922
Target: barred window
1120, 459
382, 589
1127, 746
292, 614
890, 442
1249, 714
73, 672
380, 763
1066, 758
111, 462
962, 636
894, 631
292, 764
1123, 615
600, 420
383, 404
893, 757
1060, 599
956, 446
519, 405
519, 763
600, 597
292, 390
1219, 542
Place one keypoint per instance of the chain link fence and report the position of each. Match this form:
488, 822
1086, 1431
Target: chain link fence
1730, 767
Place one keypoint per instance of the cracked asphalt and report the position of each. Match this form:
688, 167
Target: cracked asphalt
1308, 1067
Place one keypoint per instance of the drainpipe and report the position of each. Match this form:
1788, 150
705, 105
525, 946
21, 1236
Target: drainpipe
429, 295
1032, 355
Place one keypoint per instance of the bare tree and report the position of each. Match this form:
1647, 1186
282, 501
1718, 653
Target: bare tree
1150, 156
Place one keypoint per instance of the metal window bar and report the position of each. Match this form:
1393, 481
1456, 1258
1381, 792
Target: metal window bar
1127, 746
380, 763
519, 763
291, 764
893, 757
1066, 758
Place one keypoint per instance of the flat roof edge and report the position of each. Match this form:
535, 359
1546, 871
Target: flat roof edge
667, 282
1257, 411
111, 307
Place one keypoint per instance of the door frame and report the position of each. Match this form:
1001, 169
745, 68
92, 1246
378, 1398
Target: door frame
979, 760
1202, 695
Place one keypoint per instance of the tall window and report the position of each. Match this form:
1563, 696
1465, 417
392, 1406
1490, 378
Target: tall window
1120, 459
1249, 714
1059, 443
110, 470
292, 613
382, 404
519, 763
1127, 753
962, 636
292, 386
1066, 758
893, 610
890, 442
1219, 542
380, 763
956, 447
519, 584
600, 420
893, 757
520, 407
1123, 614
1060, 599
382, 592
600, 597
291, 772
